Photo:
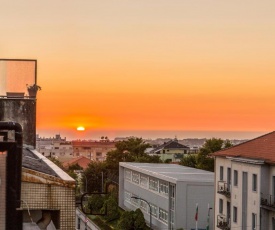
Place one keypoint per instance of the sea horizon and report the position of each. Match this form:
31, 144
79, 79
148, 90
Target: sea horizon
149, 134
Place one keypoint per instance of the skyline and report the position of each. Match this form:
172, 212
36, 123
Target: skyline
200, 66
152, 134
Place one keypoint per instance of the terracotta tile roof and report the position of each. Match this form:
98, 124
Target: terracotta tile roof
260, 148
81, 161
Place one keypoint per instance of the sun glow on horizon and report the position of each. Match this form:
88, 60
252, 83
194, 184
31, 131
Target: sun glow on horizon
80, 128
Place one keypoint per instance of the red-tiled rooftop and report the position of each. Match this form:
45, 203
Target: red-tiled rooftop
260, 148
81, 161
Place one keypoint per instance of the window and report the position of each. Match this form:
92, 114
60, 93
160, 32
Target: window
135, 201
127, 196
221, 206
235, 178
235, 214
143, 205
98, 154
163, 215
172, 203
254, 220
229, 176
154, 210
135, 177
221, 172
153, 184
163, 188
128, 174
254, 182
144, 181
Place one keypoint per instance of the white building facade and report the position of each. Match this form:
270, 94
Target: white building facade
245, 185
172, 192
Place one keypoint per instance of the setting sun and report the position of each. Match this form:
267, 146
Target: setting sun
80, 128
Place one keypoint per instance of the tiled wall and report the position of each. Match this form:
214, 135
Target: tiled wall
43, 196
3, 156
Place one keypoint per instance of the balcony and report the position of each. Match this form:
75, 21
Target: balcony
268, 201
223, 222
224, 189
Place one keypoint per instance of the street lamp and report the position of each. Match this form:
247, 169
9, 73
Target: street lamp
138, 198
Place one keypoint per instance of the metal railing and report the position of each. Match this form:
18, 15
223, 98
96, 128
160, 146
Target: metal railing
223, 222
224, 188
268, 200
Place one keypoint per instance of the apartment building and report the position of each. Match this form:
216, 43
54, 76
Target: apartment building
55, 147
245, 185
172, 191
94, 150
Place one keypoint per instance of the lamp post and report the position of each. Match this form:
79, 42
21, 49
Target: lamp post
138, 198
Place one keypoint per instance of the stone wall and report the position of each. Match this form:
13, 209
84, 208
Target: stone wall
23, 111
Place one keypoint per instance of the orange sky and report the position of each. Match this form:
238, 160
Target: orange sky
147, 65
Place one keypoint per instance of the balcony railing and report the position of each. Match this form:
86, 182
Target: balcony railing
268, 201
224, 188
223, 222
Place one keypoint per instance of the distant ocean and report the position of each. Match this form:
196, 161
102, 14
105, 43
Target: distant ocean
149, 134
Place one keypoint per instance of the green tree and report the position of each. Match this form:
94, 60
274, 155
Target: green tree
126, 221
96, 202
139, 221
93, 174
132, 220
112, 208
131, 150
204, 159
211, 145
189, 161
227, 144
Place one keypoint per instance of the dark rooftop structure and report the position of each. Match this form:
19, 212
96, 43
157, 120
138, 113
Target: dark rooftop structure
31, 161
172, 144
15, 104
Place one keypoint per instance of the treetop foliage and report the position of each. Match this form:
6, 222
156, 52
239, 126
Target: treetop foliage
131, 150
204, 160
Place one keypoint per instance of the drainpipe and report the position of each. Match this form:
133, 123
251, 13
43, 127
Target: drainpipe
18, 130
14, 170
15, 127
45, 220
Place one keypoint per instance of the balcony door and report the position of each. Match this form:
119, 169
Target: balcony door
228, 212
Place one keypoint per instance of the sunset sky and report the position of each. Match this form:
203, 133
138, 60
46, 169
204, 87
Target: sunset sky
147, 68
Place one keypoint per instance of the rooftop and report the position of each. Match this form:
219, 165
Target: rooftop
171, 172
260, 148
35, 161
82, 161
172, 144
